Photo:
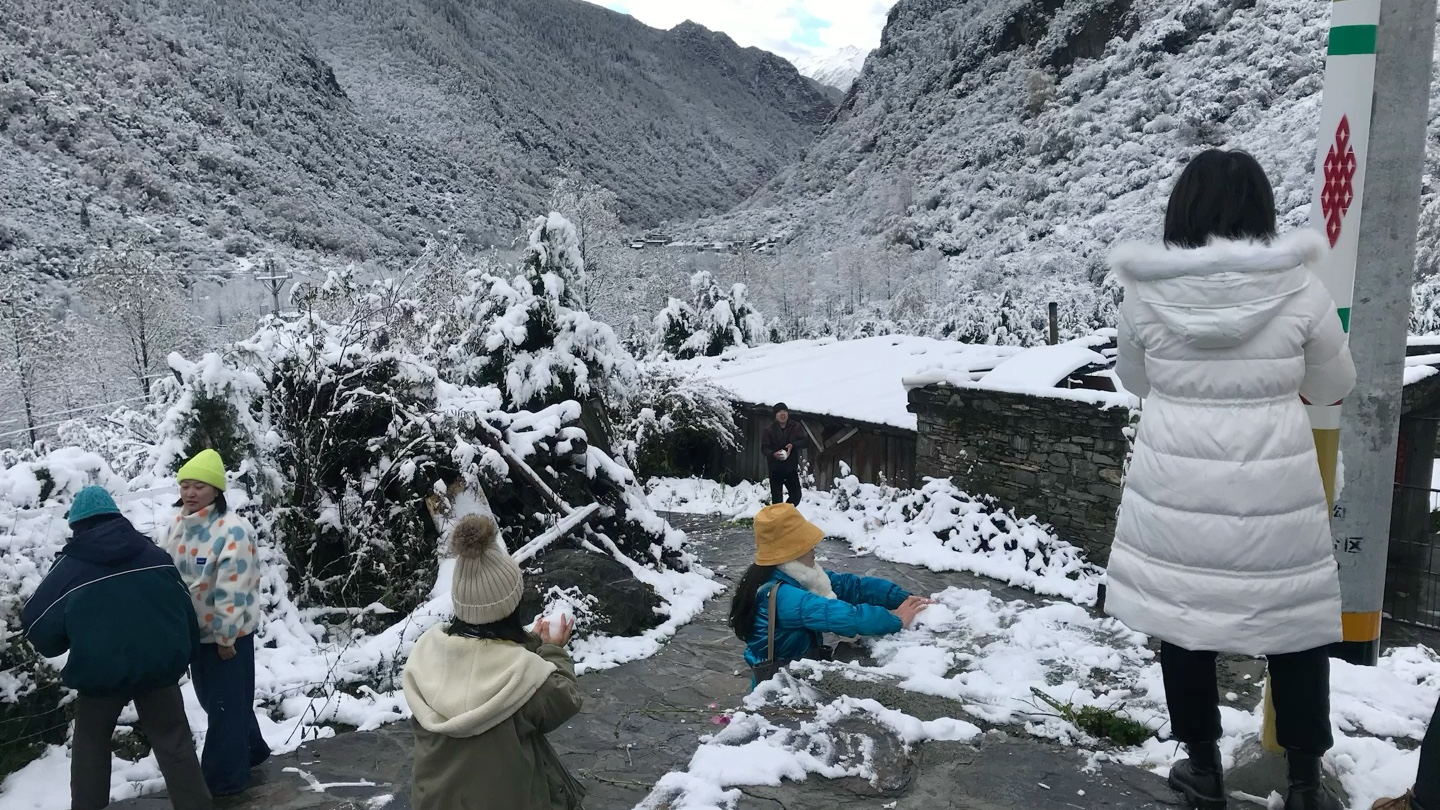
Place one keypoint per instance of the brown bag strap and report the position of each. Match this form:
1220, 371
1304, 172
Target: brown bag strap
770, 645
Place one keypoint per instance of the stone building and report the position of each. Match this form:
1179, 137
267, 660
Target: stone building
1045, 433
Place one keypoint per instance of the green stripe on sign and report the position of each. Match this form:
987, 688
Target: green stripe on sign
1352, 40
1345, 318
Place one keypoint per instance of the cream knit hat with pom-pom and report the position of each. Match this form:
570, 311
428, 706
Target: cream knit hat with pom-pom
487, 583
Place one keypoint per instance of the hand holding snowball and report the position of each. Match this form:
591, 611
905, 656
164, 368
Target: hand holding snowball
556, 633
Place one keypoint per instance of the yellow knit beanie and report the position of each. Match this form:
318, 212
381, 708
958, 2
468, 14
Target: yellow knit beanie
206, 467
783, 535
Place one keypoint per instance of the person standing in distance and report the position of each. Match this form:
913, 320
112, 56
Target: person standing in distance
781, 443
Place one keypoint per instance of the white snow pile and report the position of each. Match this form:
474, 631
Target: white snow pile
989, 657
936, 527
838, 69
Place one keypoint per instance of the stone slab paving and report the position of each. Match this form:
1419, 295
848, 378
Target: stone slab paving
644, 719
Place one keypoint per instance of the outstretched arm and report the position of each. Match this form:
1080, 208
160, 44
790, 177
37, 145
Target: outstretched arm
799, 609
867, 590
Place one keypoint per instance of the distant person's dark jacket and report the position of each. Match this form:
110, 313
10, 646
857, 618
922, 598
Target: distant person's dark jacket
776, 437
115, 602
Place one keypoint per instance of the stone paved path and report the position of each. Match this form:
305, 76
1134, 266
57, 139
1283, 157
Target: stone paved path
644, 719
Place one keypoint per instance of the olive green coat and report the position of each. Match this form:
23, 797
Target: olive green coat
477, 751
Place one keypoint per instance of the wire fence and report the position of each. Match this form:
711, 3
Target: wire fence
1412, 566
1412, 582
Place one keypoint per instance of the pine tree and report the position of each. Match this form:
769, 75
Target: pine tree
526, 335
714, 321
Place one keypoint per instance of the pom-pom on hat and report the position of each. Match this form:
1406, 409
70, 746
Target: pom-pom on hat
91, 502
783, 535
487, 583
206, 467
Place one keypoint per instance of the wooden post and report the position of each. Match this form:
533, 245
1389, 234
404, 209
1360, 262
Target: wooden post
1054, 323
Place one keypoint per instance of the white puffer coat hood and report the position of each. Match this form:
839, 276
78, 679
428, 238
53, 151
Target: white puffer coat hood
1223, 539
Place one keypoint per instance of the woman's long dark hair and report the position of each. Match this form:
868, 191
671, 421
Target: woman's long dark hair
509, 628
1220, 195
745, 602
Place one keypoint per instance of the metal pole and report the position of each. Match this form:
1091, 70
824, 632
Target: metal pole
1054, 323
1385, 234
1377, 82
274, 282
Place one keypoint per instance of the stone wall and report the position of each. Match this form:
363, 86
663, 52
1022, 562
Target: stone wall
1057, 459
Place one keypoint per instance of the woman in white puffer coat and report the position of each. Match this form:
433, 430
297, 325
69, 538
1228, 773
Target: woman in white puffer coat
1223, 540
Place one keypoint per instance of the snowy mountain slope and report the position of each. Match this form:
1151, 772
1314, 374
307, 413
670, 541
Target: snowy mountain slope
1023, 138
838, 70
357, 129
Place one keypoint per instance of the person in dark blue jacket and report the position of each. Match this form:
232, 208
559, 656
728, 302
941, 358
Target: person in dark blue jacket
809, 601
114, 601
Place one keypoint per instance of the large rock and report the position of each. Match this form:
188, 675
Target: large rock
626, 605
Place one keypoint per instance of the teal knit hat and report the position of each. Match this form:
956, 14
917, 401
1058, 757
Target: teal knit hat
92, 502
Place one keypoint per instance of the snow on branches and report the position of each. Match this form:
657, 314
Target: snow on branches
525, 336
713, 321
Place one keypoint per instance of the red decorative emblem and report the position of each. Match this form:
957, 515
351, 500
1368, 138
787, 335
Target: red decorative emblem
1339, 191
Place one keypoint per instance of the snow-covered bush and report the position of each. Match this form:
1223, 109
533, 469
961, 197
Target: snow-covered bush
34, 491
713, 321
678, 424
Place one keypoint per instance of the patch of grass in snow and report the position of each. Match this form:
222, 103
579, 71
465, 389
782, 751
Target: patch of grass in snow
1100, 723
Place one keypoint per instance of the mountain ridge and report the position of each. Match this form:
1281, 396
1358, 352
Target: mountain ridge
343, 131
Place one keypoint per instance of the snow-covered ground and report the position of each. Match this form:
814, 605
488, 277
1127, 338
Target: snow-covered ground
936, 527
987, 655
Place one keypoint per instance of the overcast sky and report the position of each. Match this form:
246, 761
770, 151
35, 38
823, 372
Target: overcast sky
791, 28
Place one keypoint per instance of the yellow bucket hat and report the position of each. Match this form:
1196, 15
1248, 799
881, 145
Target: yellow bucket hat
783, 535
206, 467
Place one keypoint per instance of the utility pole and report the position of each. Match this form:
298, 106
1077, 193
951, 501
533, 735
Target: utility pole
1366, 200
1376, 233
274, 281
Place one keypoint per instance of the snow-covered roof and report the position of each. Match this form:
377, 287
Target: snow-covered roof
862, 380
1045, 366
1037, 371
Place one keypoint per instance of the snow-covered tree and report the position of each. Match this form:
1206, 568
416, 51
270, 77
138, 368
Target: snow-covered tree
677, 425
525, 335
32, 347
591, 209
714, 320
138, 296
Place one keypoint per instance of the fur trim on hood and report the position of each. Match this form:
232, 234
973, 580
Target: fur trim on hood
1134, 262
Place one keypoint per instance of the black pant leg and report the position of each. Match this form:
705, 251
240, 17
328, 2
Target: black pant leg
792, 483
1192, 692
90, 750
777, 485
1427, 780
1300, 687
162, 717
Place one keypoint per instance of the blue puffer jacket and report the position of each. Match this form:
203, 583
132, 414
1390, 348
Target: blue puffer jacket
802, 618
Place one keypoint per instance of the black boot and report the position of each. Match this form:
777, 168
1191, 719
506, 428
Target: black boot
1200, 778
1306, 791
